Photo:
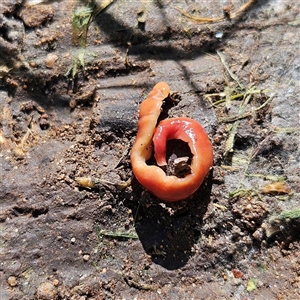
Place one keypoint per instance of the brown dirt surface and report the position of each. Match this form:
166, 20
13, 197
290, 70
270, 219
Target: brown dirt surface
72, 76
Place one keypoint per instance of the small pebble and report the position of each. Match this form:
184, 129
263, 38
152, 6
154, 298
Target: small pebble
86, 257
237, 273
12, 281
55, 282
258, 234
50, 60
219, 35
46, 291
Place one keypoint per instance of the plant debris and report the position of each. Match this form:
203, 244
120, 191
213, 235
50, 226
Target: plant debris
277, 188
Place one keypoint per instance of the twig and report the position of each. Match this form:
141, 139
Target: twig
243, 8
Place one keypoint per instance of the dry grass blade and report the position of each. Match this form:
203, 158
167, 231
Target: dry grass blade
277, 188
227, 15
200, 19
223, 61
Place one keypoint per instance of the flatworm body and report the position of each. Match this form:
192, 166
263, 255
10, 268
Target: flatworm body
153, 178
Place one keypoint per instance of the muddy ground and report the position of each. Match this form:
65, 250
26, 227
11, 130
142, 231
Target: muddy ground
69, 109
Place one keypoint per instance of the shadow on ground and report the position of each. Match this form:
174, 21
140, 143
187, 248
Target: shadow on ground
168, 231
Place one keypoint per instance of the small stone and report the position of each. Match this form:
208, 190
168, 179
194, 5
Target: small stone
40, 109
181, 166
258, 234
50, 60
55, 282
86, 257
237, 273
46, 291
219, 35
44, 124
72, 103
61, 177
73, 240
12, 281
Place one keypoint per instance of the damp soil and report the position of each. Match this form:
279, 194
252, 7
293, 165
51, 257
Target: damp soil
75, 224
